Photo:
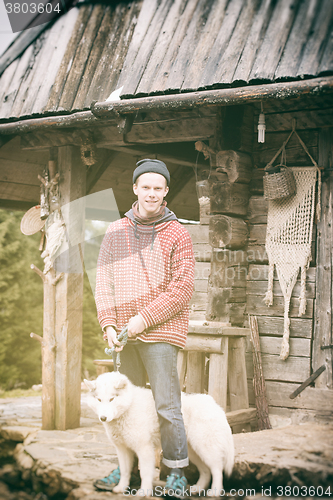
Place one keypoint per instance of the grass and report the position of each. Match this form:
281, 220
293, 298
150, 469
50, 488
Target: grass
19, 393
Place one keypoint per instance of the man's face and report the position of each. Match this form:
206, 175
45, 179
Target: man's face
150, 189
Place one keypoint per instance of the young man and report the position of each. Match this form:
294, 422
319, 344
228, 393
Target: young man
145, 279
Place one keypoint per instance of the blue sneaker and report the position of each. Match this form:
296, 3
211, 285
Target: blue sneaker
176, 486
110, 481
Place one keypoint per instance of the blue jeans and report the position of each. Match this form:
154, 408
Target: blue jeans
159, 361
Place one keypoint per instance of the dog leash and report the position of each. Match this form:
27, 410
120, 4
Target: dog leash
122, 339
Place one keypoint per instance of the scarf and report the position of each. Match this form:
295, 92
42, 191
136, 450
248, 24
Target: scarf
163, 215
147, 221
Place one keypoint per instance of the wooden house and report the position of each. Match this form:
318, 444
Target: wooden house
185, 81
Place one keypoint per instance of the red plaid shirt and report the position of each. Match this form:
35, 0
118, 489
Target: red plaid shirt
147, 272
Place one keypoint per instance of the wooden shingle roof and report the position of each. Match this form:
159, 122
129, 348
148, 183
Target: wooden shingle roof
151, 47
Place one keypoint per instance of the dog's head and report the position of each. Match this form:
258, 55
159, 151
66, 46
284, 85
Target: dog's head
110, 395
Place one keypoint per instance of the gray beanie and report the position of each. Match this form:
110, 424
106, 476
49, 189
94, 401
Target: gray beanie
148, 165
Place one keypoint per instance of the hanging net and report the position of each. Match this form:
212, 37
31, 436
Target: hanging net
288, 242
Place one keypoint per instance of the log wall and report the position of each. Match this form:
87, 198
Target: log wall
282, 377
231, 281
202, 253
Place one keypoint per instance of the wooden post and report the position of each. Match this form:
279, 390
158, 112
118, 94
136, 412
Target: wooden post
324, 285
195, 371
218, 375
48, 354
48, 346
237, 380
69, 293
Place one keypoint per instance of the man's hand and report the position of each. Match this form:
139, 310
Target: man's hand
135, 326
112, 338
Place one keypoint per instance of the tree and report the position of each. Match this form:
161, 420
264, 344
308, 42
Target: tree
21, 299
21, 309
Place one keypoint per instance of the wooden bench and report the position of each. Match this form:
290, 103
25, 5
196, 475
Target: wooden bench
225, 346
103, 366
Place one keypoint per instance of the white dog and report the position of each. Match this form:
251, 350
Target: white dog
131, 423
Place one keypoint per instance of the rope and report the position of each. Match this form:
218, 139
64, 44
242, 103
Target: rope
122, 339
282, 148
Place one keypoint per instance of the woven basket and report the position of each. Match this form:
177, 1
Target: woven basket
279, 184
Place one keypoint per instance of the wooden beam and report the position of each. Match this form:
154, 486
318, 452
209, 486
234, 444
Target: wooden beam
258, 210
159, 151
228, 198
204, 343
300, 347
39, 140
294, 369
259, 272
69, 293
296, 155
226, 97
312, 398
185, 129
217, 328
181, 129
96, 171
299, 327
20, 191
257, 307
310, 116
227, 232
16, 205
241, 416
237, 165
82, 119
